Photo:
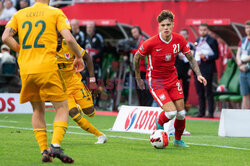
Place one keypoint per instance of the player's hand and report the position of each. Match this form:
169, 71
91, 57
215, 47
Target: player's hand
140, 83
78, 64
202, 80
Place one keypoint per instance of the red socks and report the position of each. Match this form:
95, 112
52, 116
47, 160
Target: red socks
162, 118
179, 126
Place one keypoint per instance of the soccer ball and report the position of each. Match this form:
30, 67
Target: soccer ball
159, 139
221, 88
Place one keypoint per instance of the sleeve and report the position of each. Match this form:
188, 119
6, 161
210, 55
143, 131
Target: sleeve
82, 51
62, 22
144, 48
13, 23
185, 47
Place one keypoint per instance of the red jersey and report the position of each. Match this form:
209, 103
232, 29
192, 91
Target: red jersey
162, 54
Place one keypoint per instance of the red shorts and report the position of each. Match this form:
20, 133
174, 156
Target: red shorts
167, 92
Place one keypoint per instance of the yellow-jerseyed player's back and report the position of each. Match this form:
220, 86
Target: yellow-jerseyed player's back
37, 34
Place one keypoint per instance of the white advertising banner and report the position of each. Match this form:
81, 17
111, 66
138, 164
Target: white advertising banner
9, 104
234, 123
136, 119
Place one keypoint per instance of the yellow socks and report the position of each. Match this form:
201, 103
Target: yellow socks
59, 129
86, 125
41, 138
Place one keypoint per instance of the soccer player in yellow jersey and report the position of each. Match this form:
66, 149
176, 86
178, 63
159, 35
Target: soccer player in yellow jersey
37, 28
77, 92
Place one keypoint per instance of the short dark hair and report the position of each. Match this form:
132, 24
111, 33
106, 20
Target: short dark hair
203, 25
247, 22
138, 28
165, 14
184, 29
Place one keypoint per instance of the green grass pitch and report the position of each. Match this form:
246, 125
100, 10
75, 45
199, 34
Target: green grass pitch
18, 145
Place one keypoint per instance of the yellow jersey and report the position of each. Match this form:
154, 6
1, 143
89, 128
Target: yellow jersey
37, 31
65, 57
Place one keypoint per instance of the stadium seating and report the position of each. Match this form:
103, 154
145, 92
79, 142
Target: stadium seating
226, 77
233, 93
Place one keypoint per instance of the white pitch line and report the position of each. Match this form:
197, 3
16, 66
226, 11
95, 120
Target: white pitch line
11, 121
132, 138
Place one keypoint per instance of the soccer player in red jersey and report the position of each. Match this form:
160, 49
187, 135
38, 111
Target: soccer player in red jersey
162, 77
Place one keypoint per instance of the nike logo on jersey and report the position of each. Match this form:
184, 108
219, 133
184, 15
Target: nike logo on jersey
158, 49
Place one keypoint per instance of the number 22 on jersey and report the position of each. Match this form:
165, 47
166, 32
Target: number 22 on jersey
30, 26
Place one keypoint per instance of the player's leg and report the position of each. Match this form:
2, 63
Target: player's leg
39, 128
53, 89
84, 99
60, 126
180, 122
30, 92
168, 113
169, 110
176, 94
86, 125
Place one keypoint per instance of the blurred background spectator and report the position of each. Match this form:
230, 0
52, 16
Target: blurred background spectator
206, 53
8, 10
21, 4
78, 35
94, 45
243, 62
1, 8
144, 96
183, 68
9, 77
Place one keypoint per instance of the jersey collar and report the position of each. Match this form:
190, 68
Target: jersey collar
40, 3
165, 40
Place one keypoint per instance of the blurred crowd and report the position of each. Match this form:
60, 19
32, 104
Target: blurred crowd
9, 7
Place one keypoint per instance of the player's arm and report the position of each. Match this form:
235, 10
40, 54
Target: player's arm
8, 38
89, 63
71, 42
195, 67
137, 59
92, 80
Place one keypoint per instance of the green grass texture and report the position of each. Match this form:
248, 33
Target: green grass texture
19, 147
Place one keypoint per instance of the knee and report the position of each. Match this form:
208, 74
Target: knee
181, 115
171, 115
73, 112
90, 112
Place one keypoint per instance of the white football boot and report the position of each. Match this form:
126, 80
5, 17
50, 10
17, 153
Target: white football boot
101, 139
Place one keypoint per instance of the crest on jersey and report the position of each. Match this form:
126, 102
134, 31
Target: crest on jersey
141, 48
162, 97
67, 55
168, 57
